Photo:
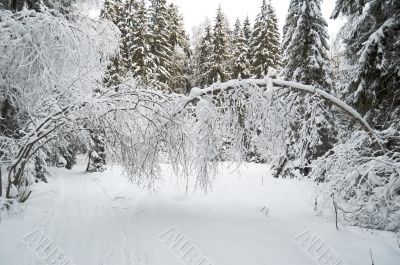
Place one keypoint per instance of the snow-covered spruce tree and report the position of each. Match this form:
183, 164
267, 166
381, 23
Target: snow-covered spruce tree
241, 64
142, 62
305, 60
265, 43
372, 51
161, 48
361, 175
305, 46
202, 58
247, 33
97, 152
125, 24
40, 167
221, 55
38, 5
113, 10
179, 42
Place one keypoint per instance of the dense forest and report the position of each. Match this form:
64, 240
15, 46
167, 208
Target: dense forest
133, 87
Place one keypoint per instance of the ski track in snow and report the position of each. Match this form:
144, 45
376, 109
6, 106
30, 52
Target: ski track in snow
102, 219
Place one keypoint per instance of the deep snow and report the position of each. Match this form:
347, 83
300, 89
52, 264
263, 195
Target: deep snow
249, 218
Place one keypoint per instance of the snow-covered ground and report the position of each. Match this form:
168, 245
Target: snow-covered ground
249, 218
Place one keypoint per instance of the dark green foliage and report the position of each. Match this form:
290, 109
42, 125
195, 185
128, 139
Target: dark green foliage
241, 64
219, 60
97, 154
306, 60
305, 45
265, 42
40, 168
372, 50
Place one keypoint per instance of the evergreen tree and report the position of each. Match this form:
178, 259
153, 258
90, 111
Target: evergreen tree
265, 41
202, 58
161, 48
179, 42
63, 6
116, 69
305, 55
372, 51
125, 24
241, 64
142, 62
306, 60
290, 24
247, 32
219, 60
97, 153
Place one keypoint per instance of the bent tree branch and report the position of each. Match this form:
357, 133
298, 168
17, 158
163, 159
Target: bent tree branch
281, 84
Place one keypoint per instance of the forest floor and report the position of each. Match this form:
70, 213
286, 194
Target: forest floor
249, 218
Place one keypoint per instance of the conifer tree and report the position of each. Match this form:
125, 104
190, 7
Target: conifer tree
265, 41
113, 11
219, 61
142, 63
372, 51
305, 59
203, 57
241, 64
161, 48
247, 32
305, 55
179, 42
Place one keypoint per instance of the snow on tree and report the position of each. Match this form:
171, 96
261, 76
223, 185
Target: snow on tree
221, 42
241, 64
306, 60
63, 6
161, 48
247, 32
265, 41
371, 54
305, 45
202, 57
142, 62
51, 64
179, 42
360, 174
117, 68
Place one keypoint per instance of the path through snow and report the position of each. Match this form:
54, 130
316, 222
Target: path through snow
102, 219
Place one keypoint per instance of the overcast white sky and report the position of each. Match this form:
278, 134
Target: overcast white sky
195, 11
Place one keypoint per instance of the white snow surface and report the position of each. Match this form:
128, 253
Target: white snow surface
103, 219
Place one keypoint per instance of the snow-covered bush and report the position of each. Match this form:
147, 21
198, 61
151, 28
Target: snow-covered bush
49, 66
363, 179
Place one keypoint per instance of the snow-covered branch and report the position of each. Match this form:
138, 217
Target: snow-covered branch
274, 84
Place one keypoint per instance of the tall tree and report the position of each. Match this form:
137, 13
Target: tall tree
161, 48
265, 41
202, 58
247, 32
372, 49
142, 62
116, 69
305, 59
241, 64
305, 55
219, 61
179, 42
